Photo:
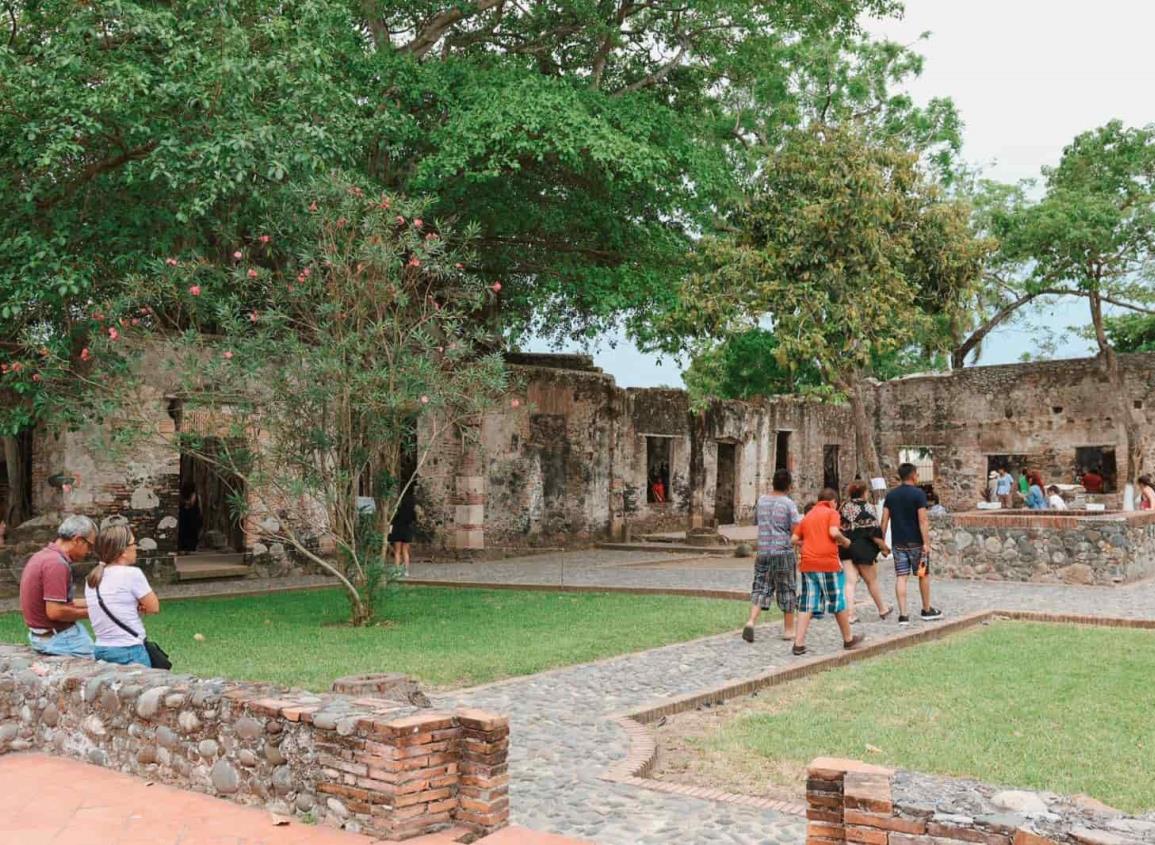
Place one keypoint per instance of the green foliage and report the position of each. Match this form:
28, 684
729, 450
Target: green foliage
1132, 332
746, 366
323, 360
846, 248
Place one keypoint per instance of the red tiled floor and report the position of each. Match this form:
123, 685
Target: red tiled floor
52, 801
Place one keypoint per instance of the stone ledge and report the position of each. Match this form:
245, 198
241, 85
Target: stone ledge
362, 764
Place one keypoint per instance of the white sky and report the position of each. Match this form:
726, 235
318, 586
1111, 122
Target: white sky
1027, 76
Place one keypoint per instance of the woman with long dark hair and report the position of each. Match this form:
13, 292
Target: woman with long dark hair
860, 525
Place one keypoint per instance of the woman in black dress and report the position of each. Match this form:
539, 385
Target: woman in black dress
866, 541
189, 521
402, 531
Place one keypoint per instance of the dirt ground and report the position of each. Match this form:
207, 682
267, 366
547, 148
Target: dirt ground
687, 755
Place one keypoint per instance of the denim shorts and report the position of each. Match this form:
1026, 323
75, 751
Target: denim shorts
907, 560
73, 641
123, 654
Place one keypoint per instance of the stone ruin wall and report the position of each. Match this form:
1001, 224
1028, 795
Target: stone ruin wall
853, 803
1043, 410
363, 764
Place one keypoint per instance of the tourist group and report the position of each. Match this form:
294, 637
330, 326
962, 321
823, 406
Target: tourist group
116, 595
833, 547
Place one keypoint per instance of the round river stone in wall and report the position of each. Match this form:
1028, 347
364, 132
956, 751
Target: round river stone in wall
148, 704
247, 728
224, 777
166, 737
208, 748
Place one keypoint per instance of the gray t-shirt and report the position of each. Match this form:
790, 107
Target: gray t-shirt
777, 516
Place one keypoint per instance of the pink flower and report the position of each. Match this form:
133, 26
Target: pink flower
113, 334
252, 273
515, 403
400, 220
3, 368
418, 222
195, 290
135, 321
65, 488
341, 221
495, 287
415, 261
424, 400
238, 255
17, 367
171, 262
459, 266
228, 355
385, 203
85, 354
264, 239
253, 316
306, 272
36, 377
432, 236
313, 206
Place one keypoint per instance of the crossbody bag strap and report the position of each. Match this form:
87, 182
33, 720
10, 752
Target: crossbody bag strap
108, 613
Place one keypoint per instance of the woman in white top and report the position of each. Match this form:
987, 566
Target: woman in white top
1055, 500
125, 593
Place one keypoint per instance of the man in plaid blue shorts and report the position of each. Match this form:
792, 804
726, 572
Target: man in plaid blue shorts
823, 581
775, 566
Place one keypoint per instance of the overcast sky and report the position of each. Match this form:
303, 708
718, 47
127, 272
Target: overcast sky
1027, 76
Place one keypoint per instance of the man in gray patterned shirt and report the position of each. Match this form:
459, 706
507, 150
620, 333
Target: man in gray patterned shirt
775, 568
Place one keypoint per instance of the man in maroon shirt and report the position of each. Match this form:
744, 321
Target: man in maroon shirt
50, 611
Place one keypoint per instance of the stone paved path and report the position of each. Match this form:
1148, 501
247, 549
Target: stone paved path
563, 739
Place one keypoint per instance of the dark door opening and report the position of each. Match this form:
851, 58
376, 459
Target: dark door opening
782, 450
1098, 460
657, 470
16, 480
213, 521
724, 492
830, 467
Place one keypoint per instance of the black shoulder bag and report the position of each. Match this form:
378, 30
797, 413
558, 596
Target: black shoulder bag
156, 655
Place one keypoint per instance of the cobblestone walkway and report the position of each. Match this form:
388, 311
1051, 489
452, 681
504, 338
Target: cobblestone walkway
564, 740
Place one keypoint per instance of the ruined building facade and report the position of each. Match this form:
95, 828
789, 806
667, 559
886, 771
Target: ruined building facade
575, 459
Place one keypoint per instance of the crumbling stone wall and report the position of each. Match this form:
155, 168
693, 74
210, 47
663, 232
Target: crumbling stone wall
362, 764
853, 802
1042, 410
1049, 547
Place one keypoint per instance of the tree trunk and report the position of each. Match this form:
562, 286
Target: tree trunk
866, 454
1133, 444
16, 461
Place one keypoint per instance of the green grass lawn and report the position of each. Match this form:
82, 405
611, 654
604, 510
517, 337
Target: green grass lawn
444, 637
1060, 708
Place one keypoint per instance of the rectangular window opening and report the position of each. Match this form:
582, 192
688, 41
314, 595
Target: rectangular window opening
1096, 469
782, 451
658, 470
923, 458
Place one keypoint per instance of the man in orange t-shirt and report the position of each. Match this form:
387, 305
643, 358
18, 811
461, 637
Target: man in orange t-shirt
823, 581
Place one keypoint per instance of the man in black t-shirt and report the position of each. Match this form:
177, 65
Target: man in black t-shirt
904, 510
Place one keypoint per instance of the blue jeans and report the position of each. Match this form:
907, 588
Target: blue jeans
124, 654
71, 642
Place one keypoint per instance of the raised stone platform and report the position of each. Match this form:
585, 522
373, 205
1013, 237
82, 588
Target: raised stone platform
1074, 547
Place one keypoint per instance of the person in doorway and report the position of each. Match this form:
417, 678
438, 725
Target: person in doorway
657, 488
775, 565
1004, 487
823, 581
189, 520
1093, 481
1146, 493
1036, 498
1024, 483
51, 613
904, 511
402, 530
992, 486
1055, 500
118, 593
860, 525
936, 507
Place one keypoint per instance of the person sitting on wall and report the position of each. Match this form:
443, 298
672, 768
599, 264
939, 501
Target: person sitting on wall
1146, 493
117, 593
1093, 481
1055, 500
46, 598
936, 508
1036, 498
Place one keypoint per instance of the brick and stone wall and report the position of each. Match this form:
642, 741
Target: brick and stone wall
1047, 546
363, 764
853, 803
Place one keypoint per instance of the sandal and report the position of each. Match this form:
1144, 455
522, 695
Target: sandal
853, 642
886, 615
798, 650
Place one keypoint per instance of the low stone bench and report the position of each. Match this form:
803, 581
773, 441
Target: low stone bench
362, 764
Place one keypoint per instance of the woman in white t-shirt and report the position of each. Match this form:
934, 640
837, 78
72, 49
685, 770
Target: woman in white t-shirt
125, 593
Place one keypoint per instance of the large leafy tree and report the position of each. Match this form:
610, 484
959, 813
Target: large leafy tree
1091, 235
849, 251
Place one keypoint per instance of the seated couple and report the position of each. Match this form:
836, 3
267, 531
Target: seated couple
116, 591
